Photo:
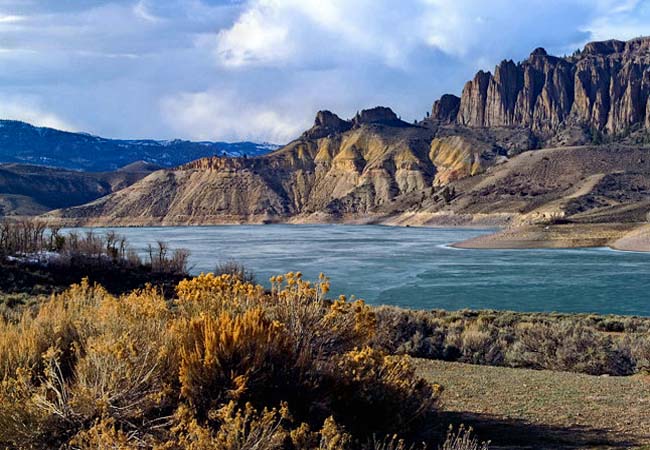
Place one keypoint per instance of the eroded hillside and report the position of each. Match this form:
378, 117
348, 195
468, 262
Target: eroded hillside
469, 162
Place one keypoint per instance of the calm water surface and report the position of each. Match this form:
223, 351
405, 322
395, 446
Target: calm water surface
414, 268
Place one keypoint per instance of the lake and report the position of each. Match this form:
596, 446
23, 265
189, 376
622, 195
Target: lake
415, 268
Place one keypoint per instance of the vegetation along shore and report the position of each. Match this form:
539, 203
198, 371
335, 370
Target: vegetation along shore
290, 367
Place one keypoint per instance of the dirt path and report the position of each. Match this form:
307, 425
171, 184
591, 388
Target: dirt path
519, 408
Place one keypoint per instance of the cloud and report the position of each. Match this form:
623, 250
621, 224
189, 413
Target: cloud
141, 10
10, 19
288, 32
221, 115
622, 20
306, 33
260, 69
28, 111
254, 39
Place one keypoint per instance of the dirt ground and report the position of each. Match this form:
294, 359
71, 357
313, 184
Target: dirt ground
521, 408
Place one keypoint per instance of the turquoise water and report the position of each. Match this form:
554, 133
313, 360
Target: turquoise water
414, 268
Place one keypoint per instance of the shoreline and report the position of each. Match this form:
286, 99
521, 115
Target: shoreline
631, 237
621, 236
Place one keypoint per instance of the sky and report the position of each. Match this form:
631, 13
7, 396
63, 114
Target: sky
259, 70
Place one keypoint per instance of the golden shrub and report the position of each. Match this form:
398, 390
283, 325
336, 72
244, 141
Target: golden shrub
217, 368
128, 367
318, 329
334, 437
104, 435
211, 294
223, 358
60, 324
377, 391
239, 429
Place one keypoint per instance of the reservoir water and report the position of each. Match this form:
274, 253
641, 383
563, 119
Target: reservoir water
415, 268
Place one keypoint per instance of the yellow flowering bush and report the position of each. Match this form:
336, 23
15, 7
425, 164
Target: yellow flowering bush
231, 357
226, 365
381, 391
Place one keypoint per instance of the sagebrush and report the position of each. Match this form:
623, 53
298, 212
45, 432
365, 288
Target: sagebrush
225, 365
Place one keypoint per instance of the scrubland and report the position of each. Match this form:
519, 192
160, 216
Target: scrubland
168, 361
225, 365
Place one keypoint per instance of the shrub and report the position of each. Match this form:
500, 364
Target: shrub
566, 346
32, 240
236, 269
227, 365
463, 440
232, 358
638, 347
378, 392
580, 343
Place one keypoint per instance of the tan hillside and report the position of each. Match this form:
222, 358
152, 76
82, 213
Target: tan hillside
474, 161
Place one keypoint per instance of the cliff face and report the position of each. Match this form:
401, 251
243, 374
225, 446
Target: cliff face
465, 161
606, 86
457, 157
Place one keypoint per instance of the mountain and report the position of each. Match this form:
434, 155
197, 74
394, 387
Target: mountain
603, 88
27, 190
335, 167
469, 162
26, 144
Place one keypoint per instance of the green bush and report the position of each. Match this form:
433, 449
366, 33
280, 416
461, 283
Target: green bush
579, 343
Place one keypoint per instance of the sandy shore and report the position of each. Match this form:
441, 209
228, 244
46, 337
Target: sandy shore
620, 236
637, 240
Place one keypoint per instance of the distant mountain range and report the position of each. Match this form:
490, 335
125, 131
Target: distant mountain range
23, 143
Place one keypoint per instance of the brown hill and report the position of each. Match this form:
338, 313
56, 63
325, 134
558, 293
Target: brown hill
30, 190
462, 165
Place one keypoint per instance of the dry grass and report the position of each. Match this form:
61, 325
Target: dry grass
522, 408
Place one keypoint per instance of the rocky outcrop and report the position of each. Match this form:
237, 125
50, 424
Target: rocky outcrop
446, 108
457, 157
375, 165
606, 86
379, 115
326, 124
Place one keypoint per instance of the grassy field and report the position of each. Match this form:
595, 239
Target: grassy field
522, 408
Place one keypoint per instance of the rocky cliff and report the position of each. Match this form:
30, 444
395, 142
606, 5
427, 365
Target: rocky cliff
463, 164
605, 86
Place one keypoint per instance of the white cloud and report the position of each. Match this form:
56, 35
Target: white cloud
141, 10
300, 33
621, 20
256, 38
10, 18
289, 32
28, 111
222, 115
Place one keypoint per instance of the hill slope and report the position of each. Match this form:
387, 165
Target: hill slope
468, 163
27, 190
23, 143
